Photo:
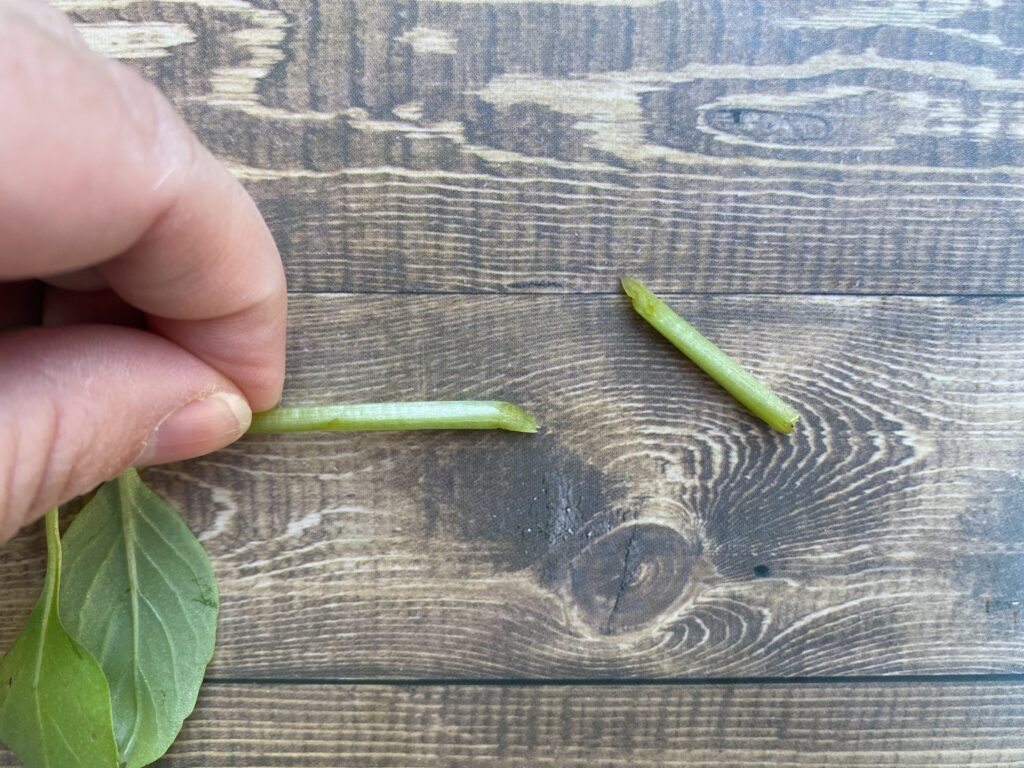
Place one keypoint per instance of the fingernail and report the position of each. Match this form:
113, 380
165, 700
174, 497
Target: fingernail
197, 428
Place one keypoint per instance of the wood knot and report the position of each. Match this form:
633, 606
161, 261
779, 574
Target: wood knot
764, 125
625, 579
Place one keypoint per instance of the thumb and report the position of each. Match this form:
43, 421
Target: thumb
80, 404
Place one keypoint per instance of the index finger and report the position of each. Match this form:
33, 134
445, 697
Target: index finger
100, 171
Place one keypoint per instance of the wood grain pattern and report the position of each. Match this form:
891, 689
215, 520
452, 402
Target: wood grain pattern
706, 726
769, 148
655, 529
734, 146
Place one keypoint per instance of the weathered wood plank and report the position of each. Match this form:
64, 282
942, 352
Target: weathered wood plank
778, 146
655, 528
700, 726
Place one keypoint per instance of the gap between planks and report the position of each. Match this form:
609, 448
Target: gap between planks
950, 679
670, 293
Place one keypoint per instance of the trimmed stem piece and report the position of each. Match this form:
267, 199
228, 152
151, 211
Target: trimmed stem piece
757, 398
456, 414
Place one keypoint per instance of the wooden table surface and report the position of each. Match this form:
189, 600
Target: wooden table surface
832, 190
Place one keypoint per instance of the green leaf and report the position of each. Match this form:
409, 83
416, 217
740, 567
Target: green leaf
54, 699
140, 594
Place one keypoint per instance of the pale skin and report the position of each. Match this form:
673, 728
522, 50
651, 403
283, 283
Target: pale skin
142, 298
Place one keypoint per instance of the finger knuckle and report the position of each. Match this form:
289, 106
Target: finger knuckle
160, 137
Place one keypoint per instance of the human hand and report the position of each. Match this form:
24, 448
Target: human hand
142, 298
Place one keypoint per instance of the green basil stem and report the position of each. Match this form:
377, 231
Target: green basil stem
456, 414
758, 399
50, 585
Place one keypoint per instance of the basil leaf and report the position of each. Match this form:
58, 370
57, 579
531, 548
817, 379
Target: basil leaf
54, 699
140, 594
